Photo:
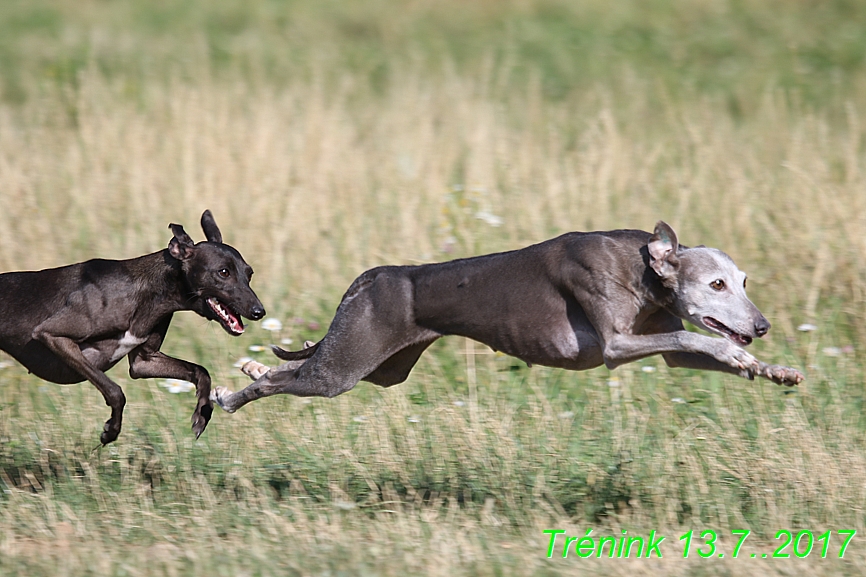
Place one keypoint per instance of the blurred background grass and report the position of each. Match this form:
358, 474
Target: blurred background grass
329, 137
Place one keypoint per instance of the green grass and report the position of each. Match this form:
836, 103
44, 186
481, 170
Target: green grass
722, 48
328, 138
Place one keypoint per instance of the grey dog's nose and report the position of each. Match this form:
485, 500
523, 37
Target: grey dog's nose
258, 312
762, 325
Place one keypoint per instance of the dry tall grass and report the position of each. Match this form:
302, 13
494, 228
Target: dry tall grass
460, 469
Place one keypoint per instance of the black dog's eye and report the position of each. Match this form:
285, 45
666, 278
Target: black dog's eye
224, 273
717, 284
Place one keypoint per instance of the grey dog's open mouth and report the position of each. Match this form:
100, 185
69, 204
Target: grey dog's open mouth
229, 319
731, 334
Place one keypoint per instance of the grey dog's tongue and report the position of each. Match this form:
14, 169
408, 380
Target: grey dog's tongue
731, 334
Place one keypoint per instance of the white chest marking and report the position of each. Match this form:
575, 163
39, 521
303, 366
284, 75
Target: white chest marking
126, 343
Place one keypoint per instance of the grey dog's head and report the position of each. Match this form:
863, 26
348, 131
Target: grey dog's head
709, 289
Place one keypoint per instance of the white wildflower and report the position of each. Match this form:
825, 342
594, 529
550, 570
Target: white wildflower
177, 386
448, 244
272, 324
489, 218
807, 328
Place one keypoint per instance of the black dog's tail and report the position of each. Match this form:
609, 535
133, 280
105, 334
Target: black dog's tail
295, 355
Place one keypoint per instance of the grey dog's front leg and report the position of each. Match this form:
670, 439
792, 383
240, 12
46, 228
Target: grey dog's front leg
779, 374
705, 363
776, 373
695, 351
625, 348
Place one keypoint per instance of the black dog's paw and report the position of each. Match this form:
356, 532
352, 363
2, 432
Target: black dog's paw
109, 433
200, 419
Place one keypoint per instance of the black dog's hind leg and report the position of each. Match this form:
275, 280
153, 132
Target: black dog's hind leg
68, 350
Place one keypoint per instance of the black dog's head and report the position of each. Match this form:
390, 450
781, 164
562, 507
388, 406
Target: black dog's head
217, 277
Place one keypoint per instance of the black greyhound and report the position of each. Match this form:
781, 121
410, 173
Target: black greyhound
73, 323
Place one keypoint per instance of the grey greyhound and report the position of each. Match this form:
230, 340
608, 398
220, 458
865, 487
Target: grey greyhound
73, 323
576, 302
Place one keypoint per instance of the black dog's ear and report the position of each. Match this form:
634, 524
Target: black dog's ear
181, 246
209, 225
662, 247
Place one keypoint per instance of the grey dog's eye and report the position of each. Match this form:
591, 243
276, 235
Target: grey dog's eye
744, 283
224, 273
717, 284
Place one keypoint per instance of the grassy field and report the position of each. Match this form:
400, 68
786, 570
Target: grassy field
330, 137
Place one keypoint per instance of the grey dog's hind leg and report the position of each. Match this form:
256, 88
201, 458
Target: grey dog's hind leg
272, 382
287, 379
397, 367
373, 336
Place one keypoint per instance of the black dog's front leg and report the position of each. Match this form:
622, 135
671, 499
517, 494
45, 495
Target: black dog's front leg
146, 361
144, 364
68, 350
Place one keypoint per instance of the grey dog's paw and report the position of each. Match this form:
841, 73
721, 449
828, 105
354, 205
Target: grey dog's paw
217, 394
738, 358
254, 369
781, 375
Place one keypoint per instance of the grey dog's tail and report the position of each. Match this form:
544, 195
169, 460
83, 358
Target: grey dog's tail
294, 355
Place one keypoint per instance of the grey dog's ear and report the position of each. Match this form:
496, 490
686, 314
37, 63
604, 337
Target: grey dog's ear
181, 246
662, 247
210, 228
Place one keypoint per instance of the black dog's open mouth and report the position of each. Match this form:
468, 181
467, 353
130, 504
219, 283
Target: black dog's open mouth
230, 320
732, 335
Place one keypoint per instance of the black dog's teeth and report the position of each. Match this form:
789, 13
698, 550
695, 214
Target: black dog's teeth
228, 317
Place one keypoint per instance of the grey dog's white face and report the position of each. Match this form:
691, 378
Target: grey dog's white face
711, 294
